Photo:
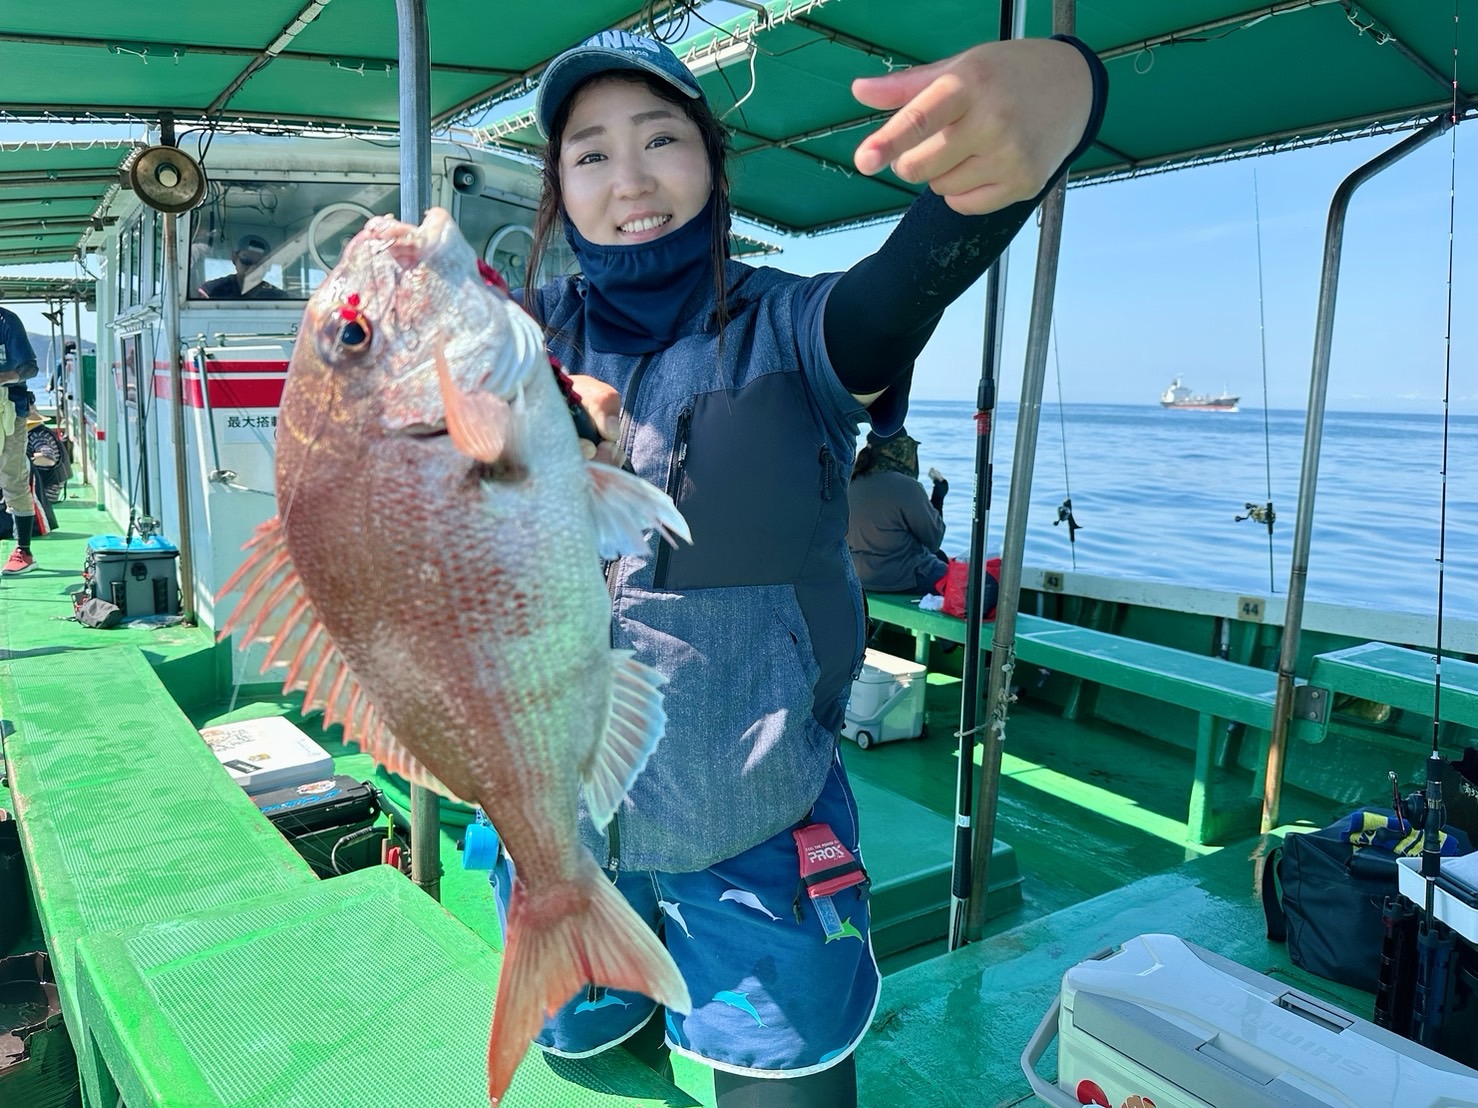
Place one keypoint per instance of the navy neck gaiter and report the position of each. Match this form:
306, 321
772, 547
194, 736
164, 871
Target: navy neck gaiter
635, 295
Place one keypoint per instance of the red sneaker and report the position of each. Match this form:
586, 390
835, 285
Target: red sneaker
20, 561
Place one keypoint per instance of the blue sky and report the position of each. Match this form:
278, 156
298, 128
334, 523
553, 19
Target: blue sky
1159, 276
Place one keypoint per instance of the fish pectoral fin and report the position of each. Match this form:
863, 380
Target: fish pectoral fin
480, 423
633, 729
275, 609
626, 508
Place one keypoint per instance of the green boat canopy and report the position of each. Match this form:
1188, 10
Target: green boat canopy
1192, 80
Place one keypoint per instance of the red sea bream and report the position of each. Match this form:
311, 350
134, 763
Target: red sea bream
432, 581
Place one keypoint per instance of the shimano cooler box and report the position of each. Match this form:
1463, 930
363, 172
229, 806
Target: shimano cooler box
1161, 1020
140, 578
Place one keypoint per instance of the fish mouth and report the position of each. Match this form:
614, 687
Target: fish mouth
407, 244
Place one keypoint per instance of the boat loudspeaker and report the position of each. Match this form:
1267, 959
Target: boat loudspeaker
466, 178
166, 178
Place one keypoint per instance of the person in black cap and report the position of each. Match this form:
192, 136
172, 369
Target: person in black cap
895, 529
740, 391
244, 284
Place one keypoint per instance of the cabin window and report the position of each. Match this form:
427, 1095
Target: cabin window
156, 274
127, 454
120, 273
502, 233
277, 240
136, 263
128, 265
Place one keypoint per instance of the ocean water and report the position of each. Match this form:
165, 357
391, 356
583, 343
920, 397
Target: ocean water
1156, 493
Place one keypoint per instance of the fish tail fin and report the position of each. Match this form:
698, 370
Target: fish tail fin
551, 955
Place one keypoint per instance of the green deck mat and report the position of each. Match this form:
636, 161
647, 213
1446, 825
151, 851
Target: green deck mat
359, 992
126, 817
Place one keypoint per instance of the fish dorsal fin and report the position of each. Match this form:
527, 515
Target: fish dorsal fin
276, 609
633, 729
626, 508
480, 423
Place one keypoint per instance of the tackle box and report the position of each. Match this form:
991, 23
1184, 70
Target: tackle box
887, 700
139, 577
331, 823
1160, 1020
268, 753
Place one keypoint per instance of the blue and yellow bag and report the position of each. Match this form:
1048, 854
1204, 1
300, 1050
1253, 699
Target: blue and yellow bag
1323, 892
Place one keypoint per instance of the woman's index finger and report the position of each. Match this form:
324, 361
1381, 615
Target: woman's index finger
932, 109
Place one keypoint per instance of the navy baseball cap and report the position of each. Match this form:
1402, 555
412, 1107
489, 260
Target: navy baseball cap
252, 246
607, 52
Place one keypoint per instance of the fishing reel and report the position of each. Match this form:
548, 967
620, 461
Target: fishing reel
1258, 513
1065, 515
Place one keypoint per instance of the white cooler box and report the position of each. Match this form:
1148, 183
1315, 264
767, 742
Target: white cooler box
268, 753
1161, 1020
887, 700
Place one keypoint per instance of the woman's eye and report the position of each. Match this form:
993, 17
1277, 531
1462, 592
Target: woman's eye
590, 158
661, 140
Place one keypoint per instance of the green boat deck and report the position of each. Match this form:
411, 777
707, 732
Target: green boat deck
348, 991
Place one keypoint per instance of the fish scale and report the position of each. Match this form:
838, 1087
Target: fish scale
433, 583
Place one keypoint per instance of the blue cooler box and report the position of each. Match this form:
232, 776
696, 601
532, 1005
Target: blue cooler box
140, 578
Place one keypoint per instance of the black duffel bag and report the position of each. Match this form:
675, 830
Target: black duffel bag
1324, 897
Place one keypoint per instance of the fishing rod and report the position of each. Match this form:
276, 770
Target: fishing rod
962, 874
1065, 509
1263, 513
1435, 943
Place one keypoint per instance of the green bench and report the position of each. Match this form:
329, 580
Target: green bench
1214, 688
358, 992
125, 815
199, 960
1400, 677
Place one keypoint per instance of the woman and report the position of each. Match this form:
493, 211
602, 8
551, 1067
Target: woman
741, 391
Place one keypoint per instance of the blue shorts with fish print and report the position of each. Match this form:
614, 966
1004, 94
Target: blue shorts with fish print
771, 996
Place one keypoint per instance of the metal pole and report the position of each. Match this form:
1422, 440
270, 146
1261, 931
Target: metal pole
1303, 527
415, 198
1018, 506
80, 401
170, 294
177, 416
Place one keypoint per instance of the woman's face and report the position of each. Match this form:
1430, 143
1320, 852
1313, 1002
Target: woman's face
631, 165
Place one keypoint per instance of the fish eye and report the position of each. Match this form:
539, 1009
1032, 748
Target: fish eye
354, 330
355, 334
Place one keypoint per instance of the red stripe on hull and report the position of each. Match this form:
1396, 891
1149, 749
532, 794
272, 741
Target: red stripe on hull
229, 386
